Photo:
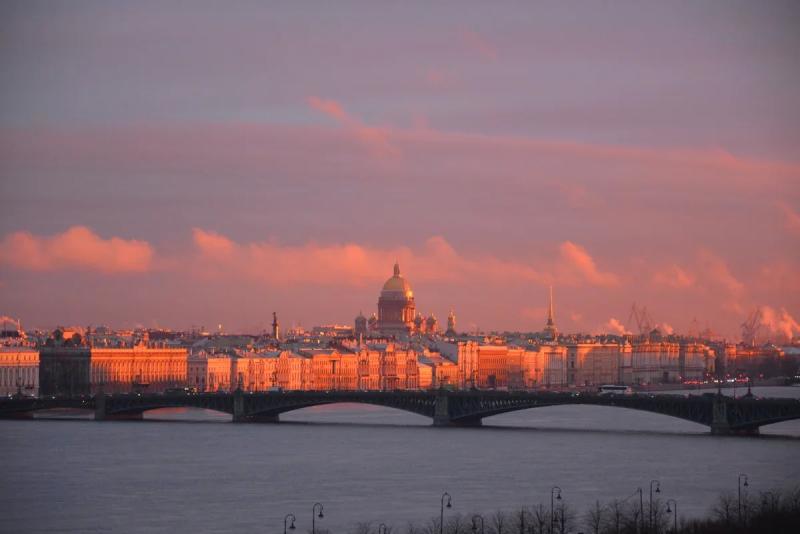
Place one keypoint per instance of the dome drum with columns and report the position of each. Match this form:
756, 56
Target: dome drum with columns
396, 308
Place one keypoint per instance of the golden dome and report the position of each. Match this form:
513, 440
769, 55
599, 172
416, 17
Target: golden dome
397, 284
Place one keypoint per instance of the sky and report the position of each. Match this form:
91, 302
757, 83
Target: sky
177, 164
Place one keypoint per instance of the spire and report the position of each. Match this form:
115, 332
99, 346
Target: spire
397, 268
276, 329
550, 320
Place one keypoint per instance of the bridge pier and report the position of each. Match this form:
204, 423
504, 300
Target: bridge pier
442, 417
101, 412
720, 426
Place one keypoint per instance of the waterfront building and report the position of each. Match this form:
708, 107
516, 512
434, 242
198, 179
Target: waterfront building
695, 361
655, 362
333, 370
209, 372
254, 371
593, 364
552, 360
19, 371
69, 366
396, 307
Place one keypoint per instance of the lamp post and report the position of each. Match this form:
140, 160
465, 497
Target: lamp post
441, 512
314, 517
650, 509
285, 519
641, 510
674, 510
553, 491
475, 525
741, 476
382, 528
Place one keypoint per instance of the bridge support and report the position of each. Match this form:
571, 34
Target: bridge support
101, 412
442, 417
720, 426
240, 414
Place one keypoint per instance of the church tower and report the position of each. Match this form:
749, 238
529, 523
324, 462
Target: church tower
276, 329
550, 328
451, 324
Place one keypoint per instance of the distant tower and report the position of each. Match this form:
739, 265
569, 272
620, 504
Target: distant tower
550, 328
276, 328
419, 324
451, 324
373, 322
361, 325
432, 325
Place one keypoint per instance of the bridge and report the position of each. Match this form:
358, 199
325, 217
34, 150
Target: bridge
723, 415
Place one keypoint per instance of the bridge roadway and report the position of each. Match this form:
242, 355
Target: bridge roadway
723, 415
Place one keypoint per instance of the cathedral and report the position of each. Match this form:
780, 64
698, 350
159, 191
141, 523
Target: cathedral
396, 308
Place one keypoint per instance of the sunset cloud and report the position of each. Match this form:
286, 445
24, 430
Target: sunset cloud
675, 277
576, 260
76, 248
375, 138
791, 218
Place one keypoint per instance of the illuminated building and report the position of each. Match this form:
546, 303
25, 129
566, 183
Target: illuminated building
654, 362
396, 308
19, 371
209, 372
591, 364
72, 367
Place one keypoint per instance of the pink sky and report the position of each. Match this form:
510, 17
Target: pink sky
175, 168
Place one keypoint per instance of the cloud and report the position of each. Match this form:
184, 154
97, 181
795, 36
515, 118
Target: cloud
792, 218
479, 44
614, 326
675, 277
76, 248
779, 323
665, 328
374, 138
577, 261
350, 264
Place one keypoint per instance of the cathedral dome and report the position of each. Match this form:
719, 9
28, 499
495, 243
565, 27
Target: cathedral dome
397, 286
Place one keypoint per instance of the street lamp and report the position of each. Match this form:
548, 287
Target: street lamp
382, 529
475, 525
658, 490
641, 510
675, 511
314, 517
441, 513
285, 519
553, 491
741, 476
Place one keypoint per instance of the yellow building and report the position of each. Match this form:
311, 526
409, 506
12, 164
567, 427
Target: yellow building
121, 370
19, 371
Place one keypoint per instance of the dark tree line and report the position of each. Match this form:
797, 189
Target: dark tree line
776, 512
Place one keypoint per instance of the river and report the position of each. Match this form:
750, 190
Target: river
193, 471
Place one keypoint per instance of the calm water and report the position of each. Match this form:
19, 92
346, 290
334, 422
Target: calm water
363, 463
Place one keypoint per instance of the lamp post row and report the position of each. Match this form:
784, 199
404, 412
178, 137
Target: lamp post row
555, 495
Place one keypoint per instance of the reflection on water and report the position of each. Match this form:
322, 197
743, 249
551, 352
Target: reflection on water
365, 463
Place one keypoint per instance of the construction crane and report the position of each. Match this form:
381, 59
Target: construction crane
642, 318
751, 327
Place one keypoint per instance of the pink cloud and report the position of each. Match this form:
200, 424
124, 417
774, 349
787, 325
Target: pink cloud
375, 138
76, 248
779, 323
791, 218
480, 45
614, 326
350, 264
577, 261
675, 277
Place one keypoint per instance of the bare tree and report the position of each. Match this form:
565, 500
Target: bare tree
498, 521
594, 518
615, 518
726, 508
541, 517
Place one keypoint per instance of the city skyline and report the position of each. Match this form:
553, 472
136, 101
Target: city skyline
261, 161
